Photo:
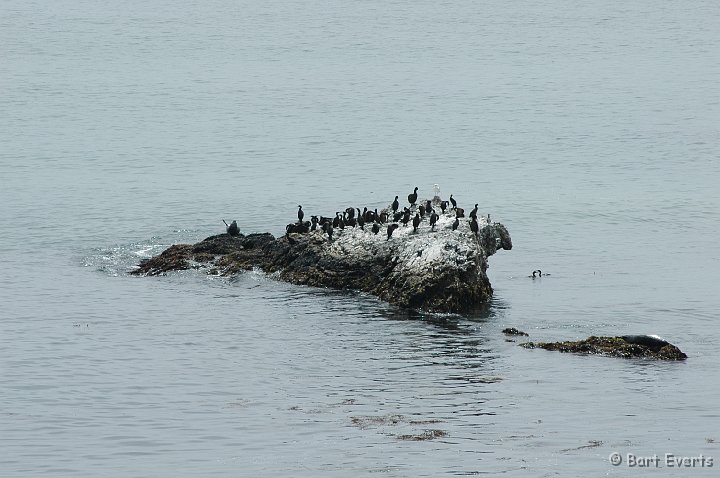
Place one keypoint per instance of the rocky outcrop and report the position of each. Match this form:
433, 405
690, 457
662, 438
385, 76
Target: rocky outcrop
433, 269
629, 346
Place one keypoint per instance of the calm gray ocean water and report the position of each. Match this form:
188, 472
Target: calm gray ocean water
590, 129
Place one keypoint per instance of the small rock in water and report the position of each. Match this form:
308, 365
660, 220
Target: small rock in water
514, 331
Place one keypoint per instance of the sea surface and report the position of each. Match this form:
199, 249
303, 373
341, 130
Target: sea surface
589, 129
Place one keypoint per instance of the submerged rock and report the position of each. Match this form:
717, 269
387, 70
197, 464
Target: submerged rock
435, 270
629, 346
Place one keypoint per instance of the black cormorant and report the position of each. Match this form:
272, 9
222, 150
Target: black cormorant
473, 213
416, 221
395, 204
390, 229
301, 214
376, 228
456, 224
406, 217
421, 208
413, 197
453, 202
232, 228
474, 226
433, 219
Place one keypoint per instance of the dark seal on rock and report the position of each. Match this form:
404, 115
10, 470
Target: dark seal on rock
616, 347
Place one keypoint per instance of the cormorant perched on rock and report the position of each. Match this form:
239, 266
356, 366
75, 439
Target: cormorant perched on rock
421, 208
488, 219
232, 228
395, 204
453, 202
350, 212
360, 220
383, 217
416, 221
375, 228
428, 206
474, 226
459, 212
327, 227
443, 206
301, 214
433, 219
390, 229
413, 197
456, 224
473, 213
397, 216
336, 219
406, 217
314, 220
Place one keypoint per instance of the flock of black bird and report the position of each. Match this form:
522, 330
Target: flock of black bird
366, 217
354, 217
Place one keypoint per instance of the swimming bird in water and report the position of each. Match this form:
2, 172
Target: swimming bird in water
395, 204
474, 226
390, 229
416, 221
413, 197
232, 228
433, 219
453, 202
473, 213
456, 224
